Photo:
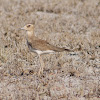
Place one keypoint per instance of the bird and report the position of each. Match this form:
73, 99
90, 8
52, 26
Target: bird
39, 46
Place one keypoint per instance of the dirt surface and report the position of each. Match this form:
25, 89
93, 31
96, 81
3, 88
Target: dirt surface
63, 23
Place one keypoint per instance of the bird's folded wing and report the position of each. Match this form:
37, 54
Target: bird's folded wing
43, 45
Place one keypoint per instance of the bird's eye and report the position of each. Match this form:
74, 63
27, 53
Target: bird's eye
28, 25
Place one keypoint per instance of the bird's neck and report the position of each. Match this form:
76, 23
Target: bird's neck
30, 33
30, 36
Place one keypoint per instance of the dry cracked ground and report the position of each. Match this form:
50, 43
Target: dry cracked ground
63, 23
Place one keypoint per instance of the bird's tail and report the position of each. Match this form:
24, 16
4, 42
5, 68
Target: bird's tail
75, 49
68, 50
57, 49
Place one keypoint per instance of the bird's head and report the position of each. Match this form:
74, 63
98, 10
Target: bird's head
28, 27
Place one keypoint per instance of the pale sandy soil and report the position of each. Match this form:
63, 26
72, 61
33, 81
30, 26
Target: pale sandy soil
63, 23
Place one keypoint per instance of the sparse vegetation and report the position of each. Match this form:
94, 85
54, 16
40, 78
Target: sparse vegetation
63, 23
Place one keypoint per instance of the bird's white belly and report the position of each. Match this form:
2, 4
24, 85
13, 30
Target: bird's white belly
43, 52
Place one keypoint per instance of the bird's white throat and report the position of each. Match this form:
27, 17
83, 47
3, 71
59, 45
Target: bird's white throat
30, 33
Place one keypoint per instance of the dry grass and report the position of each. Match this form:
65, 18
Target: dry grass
63, 23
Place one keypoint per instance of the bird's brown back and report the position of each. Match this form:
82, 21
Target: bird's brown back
43, 45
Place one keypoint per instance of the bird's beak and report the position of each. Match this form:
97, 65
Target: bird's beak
22, 28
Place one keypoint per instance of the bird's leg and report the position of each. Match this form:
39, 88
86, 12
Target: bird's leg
41, 65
